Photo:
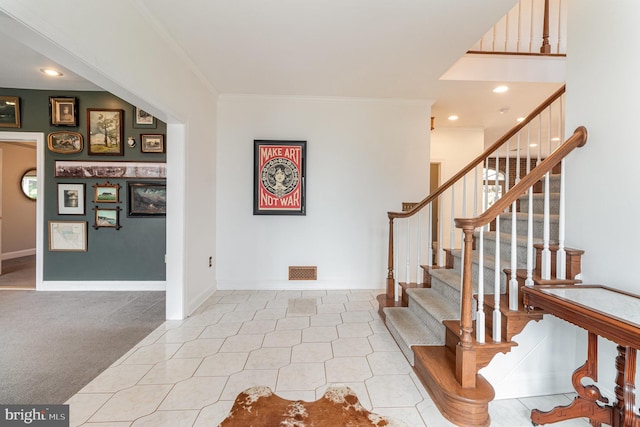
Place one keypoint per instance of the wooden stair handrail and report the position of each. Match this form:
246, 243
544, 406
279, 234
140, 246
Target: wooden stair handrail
465, 353
514, 131
578, 139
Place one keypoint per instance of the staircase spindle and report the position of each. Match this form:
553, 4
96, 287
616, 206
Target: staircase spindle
407, 255
452, 230
440, 231
561, 256
430, 236
419, 250
497, 318
546, 232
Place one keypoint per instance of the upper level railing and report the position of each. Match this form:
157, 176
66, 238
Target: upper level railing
530, 27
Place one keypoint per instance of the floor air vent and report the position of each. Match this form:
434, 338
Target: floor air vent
303, 273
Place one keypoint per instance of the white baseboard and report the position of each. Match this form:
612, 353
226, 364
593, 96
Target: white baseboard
83, 285
296, 285
18, 254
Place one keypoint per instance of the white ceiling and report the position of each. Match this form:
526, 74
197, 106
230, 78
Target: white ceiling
345, 48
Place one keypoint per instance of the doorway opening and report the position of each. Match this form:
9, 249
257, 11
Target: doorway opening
21, 153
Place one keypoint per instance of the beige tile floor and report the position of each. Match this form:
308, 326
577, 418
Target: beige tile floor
187, 373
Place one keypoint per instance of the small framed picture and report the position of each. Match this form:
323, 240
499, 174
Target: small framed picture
147, 199
107, 218
68, 236
9, 112
65, 142
106, 193
104, 127
63, 111
70, 199
142, 119
152, 143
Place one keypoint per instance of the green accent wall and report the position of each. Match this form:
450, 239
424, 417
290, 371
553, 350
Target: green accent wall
132, 253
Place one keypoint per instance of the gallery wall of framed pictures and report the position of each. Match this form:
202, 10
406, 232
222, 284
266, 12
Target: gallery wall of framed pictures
105, 181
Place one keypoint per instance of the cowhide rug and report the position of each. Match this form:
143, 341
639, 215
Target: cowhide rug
338, 407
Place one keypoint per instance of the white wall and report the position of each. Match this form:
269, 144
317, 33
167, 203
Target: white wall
117, 47
454, 148
364, 158
602, 178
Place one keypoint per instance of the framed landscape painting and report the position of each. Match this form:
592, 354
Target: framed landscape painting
65, 142
279, 177
9, 112
105, 132
147, 198
70, 199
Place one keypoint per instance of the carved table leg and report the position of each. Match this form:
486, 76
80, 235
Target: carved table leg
624, 408
586, 404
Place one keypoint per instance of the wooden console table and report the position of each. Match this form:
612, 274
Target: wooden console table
605, 312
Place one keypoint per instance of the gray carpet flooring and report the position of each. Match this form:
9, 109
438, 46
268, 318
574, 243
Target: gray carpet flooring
19, 273
54, 343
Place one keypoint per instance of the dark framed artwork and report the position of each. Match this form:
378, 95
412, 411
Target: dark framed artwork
91, 169
71, 199
9, 112
106, 193
63, 111
65, 142
104, 127
142, 119
107, 218
152, 143
279, 177
147, 199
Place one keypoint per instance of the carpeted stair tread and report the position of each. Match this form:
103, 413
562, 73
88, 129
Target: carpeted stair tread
408, 330
439, 306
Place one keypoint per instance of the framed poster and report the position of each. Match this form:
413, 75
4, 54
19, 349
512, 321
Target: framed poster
279, 177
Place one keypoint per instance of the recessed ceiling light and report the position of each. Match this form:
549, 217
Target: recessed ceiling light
500, 89
557, 138
533, 144
453, 117
51, 72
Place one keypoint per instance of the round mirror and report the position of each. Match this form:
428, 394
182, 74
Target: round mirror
29, 184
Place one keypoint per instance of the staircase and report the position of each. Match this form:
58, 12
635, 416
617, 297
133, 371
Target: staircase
426, 326
439, 321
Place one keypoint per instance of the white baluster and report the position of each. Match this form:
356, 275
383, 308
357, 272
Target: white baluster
440, 237
546, 253
395, 261
419, 251
453, 227
480, 319
407, 269
561, 256
430, 236
529, 279
497, 318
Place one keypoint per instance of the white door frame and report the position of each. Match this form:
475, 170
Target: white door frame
38, 138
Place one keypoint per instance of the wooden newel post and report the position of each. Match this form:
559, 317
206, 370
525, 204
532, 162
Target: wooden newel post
546, 47
465, 353
391, 286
